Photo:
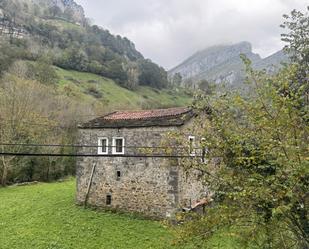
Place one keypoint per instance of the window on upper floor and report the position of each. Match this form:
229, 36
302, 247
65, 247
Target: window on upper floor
118, 145
102, 145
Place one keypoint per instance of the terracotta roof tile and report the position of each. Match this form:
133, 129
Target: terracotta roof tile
146, 114
157, 117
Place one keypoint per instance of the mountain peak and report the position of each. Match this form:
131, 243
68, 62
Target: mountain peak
220, 63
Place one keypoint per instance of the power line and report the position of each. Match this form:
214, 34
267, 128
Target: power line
36, 124
93, 146
92, 155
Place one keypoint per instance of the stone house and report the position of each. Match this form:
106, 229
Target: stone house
130, 175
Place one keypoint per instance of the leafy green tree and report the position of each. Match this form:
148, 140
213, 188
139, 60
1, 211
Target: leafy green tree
176, 79
206, 87
55, 11
152, 75
44, 71
297, 47
260, 145
75, 59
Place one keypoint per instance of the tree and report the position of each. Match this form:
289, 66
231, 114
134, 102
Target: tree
17, 110
261, 183
152, 75
55, 11
260, 143
176, 79
206, 87
44, 71
297, 47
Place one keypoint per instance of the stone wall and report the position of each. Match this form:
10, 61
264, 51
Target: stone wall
155, 187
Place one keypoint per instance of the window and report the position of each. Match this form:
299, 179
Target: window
204, 150
118, 175
102, 146
192, 145
118, 145
108, 200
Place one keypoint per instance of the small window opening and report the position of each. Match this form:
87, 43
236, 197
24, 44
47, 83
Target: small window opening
118, 175
192, 145
108, 200
204, 150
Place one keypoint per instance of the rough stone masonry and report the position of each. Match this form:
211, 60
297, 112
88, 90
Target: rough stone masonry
155, 187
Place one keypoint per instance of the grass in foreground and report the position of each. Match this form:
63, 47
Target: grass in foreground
45, 216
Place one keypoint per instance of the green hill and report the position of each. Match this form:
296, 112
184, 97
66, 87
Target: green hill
88, 87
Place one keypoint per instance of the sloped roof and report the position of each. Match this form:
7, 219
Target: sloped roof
126, 119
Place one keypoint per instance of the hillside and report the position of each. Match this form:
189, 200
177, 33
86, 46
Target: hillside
98, 90
222, 64
57, 71
58, 30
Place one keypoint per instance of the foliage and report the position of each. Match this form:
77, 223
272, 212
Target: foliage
152, 75
259, 143
206, 87
32, 113
297, 39
76, 85
44, 72
176, 79
261, 182
81, 47
11, 51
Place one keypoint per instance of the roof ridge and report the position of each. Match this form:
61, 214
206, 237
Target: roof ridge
152, 110
147, 114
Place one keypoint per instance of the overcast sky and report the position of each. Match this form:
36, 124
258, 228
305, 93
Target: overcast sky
169, 31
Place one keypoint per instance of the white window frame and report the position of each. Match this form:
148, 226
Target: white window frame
114, 146
191, 146
100, 152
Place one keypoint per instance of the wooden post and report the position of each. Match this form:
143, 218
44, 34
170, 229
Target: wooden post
89, 184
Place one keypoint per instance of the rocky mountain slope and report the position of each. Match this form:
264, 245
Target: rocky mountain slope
77, 11
222, 64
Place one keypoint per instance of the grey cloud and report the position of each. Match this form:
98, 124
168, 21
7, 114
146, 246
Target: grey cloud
168, 31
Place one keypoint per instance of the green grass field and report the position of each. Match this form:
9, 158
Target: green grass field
91, 88
45, 216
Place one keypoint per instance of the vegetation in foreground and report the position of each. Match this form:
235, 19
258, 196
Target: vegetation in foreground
45, 216
260, 142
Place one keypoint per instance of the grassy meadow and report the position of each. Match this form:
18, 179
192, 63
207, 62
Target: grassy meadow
45, 216
92, 88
